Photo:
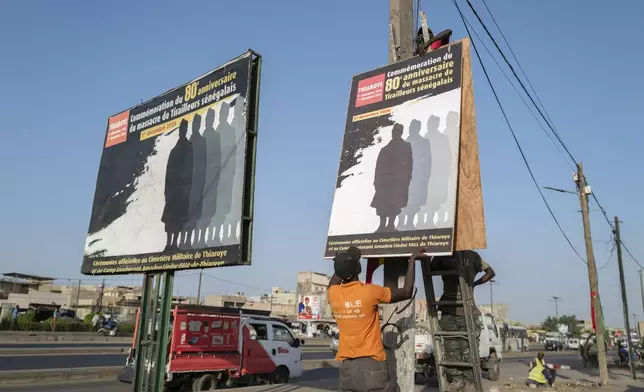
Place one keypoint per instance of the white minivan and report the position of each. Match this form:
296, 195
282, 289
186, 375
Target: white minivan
573, 343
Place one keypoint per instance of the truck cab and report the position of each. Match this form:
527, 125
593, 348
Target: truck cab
490, 348
212, 347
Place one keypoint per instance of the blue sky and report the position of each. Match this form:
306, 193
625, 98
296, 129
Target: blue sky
67, 66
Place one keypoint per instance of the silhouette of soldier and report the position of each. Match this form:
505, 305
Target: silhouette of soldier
441, 161
198, 182
227, 176
422, 158
211, 186
178, 183
391, 180
239, 124
452, 133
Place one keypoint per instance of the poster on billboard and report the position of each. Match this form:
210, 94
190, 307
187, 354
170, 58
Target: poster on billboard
397, 181
176, 178
308, 307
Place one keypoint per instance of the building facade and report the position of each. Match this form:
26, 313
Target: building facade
311, 292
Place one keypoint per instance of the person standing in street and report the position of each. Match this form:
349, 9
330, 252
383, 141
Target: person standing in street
452, 316
14, 317
54, 319
95, 322
355, 309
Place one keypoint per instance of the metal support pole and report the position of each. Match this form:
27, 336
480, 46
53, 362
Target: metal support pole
142, 334
163, 336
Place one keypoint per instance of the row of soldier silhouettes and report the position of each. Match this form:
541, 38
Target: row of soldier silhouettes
201, 175
412, 176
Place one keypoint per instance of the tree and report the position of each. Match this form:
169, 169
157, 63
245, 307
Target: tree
573, 325
550, 324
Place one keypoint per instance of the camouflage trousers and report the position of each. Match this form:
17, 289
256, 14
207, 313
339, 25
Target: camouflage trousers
457, 349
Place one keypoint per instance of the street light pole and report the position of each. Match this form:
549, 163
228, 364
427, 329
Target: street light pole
557, 299
492, 283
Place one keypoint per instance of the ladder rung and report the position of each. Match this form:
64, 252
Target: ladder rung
444, 272
455, 364
451, 333
448, 303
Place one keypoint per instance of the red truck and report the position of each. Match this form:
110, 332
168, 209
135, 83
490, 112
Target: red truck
211, 347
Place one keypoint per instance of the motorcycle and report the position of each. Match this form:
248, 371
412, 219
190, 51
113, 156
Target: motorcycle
107, 331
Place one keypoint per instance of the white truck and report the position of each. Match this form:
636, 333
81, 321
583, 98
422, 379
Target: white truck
490, 349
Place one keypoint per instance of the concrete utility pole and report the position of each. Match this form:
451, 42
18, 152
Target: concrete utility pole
642, 290
100, 296
199, 288
78, 297
492, 283
557, 299
401, 362
618, 245
584, 191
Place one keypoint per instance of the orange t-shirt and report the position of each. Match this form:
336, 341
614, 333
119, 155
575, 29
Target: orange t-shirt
355, 308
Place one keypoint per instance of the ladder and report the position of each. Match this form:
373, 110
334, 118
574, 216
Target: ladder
438, 336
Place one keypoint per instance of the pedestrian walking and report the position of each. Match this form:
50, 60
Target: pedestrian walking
14, 317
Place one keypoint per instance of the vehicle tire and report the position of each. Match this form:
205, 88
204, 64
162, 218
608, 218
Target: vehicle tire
493, 368
207, 382
280, 375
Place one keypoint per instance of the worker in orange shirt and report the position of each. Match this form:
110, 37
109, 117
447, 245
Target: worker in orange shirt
355, 308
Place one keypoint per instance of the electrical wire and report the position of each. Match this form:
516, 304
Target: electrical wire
527, 105
552, 129
237, 284
516, 140
542, 110
517, 61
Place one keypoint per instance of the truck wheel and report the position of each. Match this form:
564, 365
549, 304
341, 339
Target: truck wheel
493, 368
207, 382
280, 375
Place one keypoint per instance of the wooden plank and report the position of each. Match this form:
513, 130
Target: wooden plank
470, 220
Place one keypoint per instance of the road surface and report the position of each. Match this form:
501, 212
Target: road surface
20, 346
317, 380
67, 361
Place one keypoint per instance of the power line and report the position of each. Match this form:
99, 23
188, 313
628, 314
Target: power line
237, 284
545, 117
516, 140
527, 105
517, 61
469, 3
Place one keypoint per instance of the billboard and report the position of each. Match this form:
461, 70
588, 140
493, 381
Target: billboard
309, 307
397, 181
176, 178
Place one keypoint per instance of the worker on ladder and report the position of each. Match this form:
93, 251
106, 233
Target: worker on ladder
453, 317
355, 308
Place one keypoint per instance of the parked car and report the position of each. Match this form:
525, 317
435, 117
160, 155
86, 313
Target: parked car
553, 345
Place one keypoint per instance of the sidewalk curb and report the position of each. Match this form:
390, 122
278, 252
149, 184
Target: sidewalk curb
12, 378
57, 376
